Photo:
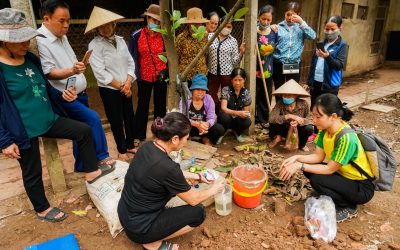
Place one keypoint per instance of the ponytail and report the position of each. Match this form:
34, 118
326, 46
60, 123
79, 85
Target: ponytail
172, 124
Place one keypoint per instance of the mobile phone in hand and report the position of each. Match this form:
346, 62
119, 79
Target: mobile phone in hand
71, 82
86, 57
321, 46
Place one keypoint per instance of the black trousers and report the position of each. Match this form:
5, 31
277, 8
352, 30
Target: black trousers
280, 78
283, 129
119, 112
170, 221
30, 158
262, 112
215, 132
344, 192
237, 124
316, 90
142, 112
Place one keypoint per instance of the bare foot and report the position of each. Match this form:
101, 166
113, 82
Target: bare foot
123, 157
276, 141
156, 245
132, 150
44, 213
90, 176
206, 141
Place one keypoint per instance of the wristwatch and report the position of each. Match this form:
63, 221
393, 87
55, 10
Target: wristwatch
302, 166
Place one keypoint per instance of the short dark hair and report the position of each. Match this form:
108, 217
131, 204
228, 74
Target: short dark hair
50, 6
335, 19
295, 6
329, 103
266, 9
211, 14
238, 72
172, 124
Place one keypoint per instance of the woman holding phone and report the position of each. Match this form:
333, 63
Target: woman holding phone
114, 70
328, 62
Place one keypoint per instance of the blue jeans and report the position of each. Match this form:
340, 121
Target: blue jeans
79, 110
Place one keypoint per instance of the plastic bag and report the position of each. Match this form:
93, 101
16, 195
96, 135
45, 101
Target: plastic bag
320, 218
292, 139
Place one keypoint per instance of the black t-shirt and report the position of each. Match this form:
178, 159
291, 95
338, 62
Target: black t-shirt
152, 179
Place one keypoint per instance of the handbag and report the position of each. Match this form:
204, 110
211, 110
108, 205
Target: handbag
163, 75
290, 68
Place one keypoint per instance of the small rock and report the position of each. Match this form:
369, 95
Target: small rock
307, 241
88, 207
357, 245
301, 230
264, 245
394, 246
207, 232
205, 243
298, 220
356, 235
97, 215
386, 227
341, 237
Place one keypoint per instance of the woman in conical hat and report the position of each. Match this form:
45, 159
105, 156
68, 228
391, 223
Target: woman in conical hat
114, 70
291, 110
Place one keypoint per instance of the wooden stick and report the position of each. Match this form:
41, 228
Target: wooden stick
263, 78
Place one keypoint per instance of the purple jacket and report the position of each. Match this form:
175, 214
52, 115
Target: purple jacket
209, 108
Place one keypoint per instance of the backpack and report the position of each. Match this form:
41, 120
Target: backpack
380, 157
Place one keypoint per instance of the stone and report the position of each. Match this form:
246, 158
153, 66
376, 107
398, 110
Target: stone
207, 232
301, 230
280, 207
356, 235
357, 245
205, 243
298, 220
394, 246
341, 237
264, 245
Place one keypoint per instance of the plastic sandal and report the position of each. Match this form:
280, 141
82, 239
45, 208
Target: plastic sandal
51, 215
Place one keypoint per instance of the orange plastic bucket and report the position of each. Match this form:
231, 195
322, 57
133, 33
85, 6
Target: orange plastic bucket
248, 184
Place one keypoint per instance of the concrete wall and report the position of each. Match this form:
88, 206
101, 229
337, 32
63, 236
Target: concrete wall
393, 22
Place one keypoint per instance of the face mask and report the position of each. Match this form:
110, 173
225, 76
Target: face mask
332, 35
263, 27
287, 101
226, 31
153, 26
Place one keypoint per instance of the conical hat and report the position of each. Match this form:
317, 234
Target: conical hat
100, 16
291, 87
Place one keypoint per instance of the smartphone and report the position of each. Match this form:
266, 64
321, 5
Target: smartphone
71, 82
321, 46
86, 57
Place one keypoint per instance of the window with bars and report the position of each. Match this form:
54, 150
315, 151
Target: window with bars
362, 12
347, 10
379, 26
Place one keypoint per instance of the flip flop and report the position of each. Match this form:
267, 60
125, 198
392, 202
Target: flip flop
105, 170
51, 215
165, 245
107, 161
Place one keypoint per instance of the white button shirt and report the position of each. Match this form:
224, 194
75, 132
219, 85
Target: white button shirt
109, 62
56, 53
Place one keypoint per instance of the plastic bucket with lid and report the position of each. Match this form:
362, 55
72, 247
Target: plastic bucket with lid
248, 183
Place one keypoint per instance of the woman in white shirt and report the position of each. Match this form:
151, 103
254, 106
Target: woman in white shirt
114, 70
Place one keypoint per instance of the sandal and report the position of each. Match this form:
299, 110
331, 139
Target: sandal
105, 170
51, 215
107, 161
165, 245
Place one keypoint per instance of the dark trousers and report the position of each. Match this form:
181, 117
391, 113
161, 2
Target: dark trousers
262, 111
215, 132
79, 110
31, 164
119, 112
142, 112
283, 129
280, 78
316, 90
170, 221
344, 192
237, 124
214, 83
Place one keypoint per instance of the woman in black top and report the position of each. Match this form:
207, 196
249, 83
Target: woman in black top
152, 180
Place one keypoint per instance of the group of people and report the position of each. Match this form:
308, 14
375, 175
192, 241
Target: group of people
55, 86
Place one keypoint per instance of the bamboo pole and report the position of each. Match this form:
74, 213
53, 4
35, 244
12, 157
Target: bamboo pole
263, 78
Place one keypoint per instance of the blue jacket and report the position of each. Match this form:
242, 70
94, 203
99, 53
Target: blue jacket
133, 49
333, 65
12, 129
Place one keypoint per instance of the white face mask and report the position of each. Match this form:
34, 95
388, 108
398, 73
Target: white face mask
226, 31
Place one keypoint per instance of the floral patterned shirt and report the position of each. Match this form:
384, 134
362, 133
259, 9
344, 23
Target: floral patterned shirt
236, 102
277, 114
266, 46
187, 48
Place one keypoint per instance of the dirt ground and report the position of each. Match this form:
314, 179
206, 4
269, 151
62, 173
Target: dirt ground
376, 227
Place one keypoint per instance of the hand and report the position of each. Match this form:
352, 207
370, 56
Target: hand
288, 161
320, 53
274, 28
125, 87
218, 185
297, 19
11, 151
287, 171
242, 114
204, 126
128, 94
78, 68
69, 94
294, 123
306, 87
242, 48
298, 119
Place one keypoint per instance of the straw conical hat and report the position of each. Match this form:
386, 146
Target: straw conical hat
195, 15
100, 16
291, 87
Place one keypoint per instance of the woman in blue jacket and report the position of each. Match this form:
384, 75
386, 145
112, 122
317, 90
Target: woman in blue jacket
327, 64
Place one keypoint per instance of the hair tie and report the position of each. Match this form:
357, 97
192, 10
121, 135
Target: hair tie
159, 123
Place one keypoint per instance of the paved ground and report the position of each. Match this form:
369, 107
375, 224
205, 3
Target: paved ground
355, 91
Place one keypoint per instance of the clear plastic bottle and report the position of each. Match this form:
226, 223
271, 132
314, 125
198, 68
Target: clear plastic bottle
186, 164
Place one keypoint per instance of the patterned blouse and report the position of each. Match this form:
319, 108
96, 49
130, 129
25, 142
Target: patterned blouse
278, 113
223, 55
149, 46
236, 102
187, 48
266, 46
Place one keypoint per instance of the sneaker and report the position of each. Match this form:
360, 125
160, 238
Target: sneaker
239, 138
219, 140
344, 214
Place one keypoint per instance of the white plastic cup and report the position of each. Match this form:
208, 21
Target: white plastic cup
223, 201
